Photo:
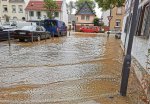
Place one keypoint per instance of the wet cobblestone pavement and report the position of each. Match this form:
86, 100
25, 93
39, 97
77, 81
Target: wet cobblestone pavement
77, 69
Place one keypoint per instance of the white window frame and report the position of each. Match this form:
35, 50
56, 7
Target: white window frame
13, 8
118, 21
5, 6
20, 8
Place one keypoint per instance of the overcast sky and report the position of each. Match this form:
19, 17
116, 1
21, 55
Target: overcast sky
98, 11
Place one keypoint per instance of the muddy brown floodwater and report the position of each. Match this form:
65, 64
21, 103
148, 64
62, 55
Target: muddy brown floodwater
77, 69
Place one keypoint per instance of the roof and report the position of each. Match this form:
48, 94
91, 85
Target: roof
39, 5
85, 10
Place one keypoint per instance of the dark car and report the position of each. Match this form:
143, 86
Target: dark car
6, 34
29, 33
1, 28
55, 27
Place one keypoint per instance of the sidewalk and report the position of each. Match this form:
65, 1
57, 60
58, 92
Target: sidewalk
135, 93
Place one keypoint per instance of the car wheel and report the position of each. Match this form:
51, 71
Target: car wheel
38, 38
48, 36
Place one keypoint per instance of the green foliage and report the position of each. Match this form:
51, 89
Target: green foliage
96, 22
107, 4
51, 7
80, 3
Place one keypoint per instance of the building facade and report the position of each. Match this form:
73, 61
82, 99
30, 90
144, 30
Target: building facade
116, 22
141, 43
84, 16
104, 17
14, 9
35, 11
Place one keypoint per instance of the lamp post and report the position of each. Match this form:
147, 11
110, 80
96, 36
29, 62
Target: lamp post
109, 18
127, 59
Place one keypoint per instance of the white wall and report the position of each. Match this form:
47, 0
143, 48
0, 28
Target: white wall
140, 45
64, 14
105, 15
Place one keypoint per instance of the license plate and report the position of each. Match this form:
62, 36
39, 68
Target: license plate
22, 33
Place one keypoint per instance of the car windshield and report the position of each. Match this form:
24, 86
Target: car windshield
50, 23
31, 28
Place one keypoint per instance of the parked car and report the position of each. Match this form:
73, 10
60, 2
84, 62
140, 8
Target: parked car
9, 25
27, 33
90, 29
55, 27
1, 28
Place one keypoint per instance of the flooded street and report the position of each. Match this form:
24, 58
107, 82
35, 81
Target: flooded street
77, 69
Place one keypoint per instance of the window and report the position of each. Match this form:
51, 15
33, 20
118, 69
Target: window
119, 10
20, 8
5, 9
143, 26
13, 9
82, 17
38, 15
31, 13
118, 23
87, 18
56, 14
128, 23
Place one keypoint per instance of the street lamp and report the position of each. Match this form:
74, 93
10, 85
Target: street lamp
127, 59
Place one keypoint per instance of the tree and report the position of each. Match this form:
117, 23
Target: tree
80, 3
70, 7
51, 7
109, 4
96, 22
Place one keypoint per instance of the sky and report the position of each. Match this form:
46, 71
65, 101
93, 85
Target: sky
98, 11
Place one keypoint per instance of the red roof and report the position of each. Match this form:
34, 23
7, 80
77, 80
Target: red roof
39, 5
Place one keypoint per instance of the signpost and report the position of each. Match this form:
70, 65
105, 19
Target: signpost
109, 18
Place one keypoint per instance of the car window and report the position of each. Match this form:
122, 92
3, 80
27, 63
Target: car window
50, 23
43, 29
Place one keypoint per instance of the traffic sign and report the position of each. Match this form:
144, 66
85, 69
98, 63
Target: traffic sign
109, 17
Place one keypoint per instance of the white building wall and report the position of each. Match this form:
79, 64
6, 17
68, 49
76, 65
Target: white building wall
105, 15
140, 44
64, 13
9, 7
